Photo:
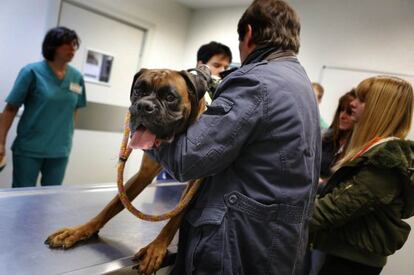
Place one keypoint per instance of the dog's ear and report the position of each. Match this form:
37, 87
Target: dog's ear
138, 74
197, 80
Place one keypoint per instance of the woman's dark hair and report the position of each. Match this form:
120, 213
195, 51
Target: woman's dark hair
55, 38
274, 23
343, 105
207, 51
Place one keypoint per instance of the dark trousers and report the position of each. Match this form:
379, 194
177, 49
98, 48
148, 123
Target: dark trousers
339, 266
27, 169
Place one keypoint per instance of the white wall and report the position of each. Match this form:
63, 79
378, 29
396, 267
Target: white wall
372, 35
168, 23
22, 26
125, 47
368, 34
216, 24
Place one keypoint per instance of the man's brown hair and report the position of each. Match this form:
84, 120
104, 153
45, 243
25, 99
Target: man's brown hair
274, 23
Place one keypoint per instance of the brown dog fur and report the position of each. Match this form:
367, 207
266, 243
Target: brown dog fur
151, 256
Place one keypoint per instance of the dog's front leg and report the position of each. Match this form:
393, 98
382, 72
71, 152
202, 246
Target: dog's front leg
151, 256
67, 237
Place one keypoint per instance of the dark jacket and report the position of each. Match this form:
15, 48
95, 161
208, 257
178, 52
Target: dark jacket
329, 153
258, 148
360, 215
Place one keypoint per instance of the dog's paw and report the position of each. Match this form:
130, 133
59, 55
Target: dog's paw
150, 257
67, 237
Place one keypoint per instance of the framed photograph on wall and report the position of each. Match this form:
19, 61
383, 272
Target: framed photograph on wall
97, 67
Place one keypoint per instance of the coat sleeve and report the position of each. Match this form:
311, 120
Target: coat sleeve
363, 193
216, 139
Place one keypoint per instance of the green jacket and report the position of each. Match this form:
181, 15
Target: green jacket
359, 216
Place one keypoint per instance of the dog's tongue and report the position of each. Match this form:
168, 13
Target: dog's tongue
142, 139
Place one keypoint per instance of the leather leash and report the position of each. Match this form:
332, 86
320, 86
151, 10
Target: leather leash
124, 153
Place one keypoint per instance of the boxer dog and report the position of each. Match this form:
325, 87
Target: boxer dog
163, 103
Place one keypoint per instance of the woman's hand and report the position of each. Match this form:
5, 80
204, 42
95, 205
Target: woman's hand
6, 120
2, 151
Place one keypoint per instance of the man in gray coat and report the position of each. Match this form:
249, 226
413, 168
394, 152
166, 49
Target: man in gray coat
258, 148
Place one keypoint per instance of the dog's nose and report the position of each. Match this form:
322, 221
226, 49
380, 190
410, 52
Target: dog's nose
146, 107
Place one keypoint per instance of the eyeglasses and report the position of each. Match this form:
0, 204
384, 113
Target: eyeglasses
72, 43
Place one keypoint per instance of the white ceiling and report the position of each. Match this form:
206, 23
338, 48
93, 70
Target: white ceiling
202, 4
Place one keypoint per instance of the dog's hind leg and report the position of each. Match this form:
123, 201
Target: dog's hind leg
67, 237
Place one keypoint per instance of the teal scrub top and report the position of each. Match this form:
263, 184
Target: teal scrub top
46, 127
323, 123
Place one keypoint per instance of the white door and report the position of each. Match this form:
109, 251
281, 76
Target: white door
94, 154
108, 35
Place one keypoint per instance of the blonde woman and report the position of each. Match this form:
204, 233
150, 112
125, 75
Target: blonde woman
358, 218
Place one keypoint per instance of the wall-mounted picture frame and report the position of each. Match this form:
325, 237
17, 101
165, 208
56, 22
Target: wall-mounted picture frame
97, 67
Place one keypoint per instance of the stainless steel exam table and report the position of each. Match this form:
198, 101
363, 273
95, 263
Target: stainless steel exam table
29, 215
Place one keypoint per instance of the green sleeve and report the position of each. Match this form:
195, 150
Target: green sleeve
21, 88
323, 123
360, 195
82, 98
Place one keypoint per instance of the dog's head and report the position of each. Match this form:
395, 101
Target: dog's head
163, 104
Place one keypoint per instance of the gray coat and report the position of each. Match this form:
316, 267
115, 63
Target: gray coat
258, 147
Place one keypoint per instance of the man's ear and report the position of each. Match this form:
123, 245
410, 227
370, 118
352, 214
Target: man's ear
136, 76
249, 35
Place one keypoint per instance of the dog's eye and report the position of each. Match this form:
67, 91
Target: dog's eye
142, 92
170, 97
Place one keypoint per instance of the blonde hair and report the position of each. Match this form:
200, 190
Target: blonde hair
319, 89
387, 112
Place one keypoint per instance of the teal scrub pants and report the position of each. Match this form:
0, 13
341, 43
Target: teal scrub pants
27, 169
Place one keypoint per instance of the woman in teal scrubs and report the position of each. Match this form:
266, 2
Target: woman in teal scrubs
51, 92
